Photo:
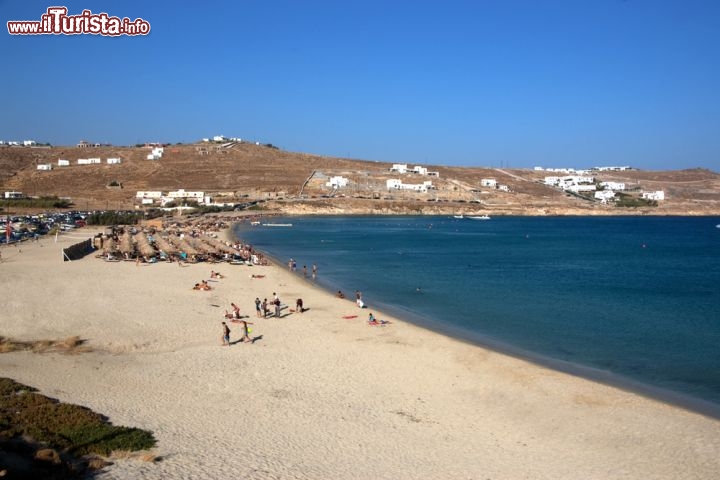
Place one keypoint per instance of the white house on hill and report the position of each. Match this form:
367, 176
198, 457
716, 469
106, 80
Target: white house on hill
658, 195
337, 182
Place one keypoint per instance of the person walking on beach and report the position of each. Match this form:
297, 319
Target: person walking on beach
245, 331
225, 335
277, 306
257, 307
264, 308
314, 271
305, 271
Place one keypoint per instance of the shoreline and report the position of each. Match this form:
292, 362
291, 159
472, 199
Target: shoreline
317, 396
605, 377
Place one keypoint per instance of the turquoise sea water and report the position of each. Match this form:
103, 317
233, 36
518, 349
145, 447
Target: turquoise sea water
630, 300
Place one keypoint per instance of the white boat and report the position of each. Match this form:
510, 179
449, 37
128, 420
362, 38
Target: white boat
479, 217
277, 224
458, 216
254, 222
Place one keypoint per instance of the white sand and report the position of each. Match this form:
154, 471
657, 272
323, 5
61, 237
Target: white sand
319, 396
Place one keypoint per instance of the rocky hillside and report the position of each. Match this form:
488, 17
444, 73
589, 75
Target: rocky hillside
295, 182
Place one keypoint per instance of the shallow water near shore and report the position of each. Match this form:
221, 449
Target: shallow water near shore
611, 297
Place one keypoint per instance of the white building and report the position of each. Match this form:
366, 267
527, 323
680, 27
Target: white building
399, 167
612, 169
94, 160
658, 195
183, 194
83, 161
63, 163
420, 170
488, 182
205, 140
219, 138
569, 181
503, 188
337, 182
114, 161
604, 195
13, 143
29, 143
45, 166
12, 195
581, 188
613, 185
147, 201
149, 194
393, 184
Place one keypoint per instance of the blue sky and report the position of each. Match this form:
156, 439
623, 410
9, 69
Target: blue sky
511, 83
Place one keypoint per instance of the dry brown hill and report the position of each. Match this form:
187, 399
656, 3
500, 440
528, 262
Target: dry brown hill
299, 179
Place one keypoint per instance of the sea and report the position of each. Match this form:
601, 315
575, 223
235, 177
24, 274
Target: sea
632, 301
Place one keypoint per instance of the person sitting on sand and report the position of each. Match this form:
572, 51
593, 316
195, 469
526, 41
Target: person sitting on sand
299, 305
371, 318
204, 286
339, 294
196, 287
214, 274
236, 311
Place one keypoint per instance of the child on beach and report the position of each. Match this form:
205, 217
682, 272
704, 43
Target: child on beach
225, 335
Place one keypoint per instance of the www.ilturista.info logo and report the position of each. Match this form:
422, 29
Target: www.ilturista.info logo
57, 22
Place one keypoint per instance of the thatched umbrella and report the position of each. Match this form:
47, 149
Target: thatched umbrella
109, 245
184, 246
143, 245
217, 245
126, 245
167, 247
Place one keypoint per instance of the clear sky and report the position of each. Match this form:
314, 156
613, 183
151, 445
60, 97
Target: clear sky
514, 83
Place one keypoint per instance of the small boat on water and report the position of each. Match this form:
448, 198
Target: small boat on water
254, 222
277, 224
479, 217
458, 216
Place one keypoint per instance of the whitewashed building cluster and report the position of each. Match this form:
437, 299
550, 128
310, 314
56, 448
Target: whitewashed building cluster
572, 183
13, 143
156, 153
397, 184
153, 197
657, 195
492, 183
417, 169
222, 138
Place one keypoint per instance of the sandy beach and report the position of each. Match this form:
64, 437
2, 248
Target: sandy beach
316, 395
